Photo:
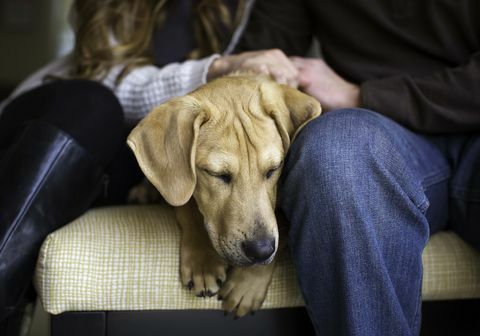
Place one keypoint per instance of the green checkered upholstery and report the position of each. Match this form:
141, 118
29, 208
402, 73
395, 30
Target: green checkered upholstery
126, 258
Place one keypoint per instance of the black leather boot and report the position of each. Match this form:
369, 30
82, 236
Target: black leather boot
46, 180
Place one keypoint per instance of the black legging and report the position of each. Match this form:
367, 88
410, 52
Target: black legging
91, 114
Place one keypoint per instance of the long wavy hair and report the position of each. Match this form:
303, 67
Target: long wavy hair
112, 32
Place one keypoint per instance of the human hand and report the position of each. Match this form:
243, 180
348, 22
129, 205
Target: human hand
272, 63
317, 79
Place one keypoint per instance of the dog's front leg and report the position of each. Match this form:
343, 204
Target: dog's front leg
246, 288
201, 268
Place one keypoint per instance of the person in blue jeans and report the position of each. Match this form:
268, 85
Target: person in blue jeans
394, 158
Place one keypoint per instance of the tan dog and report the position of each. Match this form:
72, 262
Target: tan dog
216, 155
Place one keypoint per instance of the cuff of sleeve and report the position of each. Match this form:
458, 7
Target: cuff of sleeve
206, 66
191, 74
387, 97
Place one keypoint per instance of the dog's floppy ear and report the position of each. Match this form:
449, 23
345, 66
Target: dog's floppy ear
289, 108
164, 143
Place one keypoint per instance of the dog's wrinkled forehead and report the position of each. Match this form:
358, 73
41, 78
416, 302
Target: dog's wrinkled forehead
225, 98
245, 137
237, 114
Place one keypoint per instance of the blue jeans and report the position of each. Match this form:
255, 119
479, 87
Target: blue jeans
363, 194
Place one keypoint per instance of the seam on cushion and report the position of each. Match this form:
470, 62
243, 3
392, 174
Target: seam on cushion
43, 262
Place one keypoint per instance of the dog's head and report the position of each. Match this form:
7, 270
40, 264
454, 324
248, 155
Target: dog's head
224, 145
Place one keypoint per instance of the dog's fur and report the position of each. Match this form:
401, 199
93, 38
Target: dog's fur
216, 155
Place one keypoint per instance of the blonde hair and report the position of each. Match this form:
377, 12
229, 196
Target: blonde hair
112, 32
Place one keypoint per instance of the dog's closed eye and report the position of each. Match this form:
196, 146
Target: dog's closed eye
271, 171
225, 177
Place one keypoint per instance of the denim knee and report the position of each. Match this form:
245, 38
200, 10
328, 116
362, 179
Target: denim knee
336, 147
336, 157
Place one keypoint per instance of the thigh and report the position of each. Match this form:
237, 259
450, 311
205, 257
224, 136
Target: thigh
84, 109
28, 106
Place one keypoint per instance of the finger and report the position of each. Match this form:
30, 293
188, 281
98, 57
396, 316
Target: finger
304, 79
298, 62
285, 61
278, 75
283, 72
262, 69
293, 82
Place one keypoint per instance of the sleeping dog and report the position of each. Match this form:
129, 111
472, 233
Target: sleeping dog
216, 155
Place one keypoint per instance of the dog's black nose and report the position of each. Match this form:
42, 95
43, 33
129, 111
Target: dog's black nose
259, 250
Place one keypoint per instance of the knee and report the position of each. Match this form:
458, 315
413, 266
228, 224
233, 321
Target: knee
344, 173
89, 100
90, 113
87, 110
345, 156
341, 145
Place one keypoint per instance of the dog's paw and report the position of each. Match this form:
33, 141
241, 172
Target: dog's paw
202, 270
245, 289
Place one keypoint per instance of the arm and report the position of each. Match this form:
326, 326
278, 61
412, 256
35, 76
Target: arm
444, 102
142, 89
148, 86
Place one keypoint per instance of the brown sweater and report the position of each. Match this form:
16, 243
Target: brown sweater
417, 61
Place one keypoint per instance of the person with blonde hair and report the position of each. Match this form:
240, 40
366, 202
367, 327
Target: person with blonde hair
63, 130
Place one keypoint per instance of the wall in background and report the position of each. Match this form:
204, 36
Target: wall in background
32, 32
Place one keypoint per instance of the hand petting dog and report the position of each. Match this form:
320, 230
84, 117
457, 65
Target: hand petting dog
273, 63
311, 75
318, 80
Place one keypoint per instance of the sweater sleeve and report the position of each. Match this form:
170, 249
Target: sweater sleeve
148, 86
445, 102
140, 90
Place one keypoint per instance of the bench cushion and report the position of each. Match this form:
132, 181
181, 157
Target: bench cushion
126, 258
